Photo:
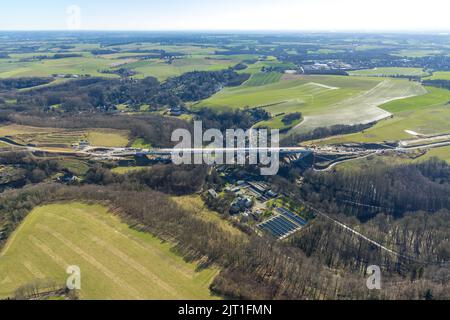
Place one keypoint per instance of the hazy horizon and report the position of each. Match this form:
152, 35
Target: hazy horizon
238, 31
232, 16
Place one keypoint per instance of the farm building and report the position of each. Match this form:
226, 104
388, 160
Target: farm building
240, 204
213, 193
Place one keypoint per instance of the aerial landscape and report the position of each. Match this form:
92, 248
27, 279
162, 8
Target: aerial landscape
94, 206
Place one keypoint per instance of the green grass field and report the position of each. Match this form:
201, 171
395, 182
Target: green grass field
387, 72
162, 70
433, 97
362, 108
417, 53
14, 129
75, 166
325, 51
427, 114
108, 138
198, 58
53, 137
323, 100
442, 153
439, 75
125, 170
291, 94
45, 68
262, 79
116, 262
184, 49
277, 123
369, 46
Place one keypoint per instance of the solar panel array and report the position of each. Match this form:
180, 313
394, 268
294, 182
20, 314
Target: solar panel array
283, 225
279, 227
295, 218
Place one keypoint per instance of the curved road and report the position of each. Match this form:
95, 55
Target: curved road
114, 153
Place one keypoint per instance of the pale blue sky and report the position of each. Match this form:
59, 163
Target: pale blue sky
329, 15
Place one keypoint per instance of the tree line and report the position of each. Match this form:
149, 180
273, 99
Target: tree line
22, 83
394, 190
103, 95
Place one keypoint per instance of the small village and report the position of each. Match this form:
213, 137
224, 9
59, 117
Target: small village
256, 204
